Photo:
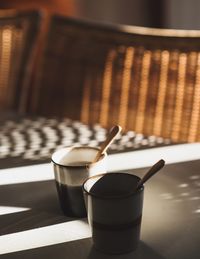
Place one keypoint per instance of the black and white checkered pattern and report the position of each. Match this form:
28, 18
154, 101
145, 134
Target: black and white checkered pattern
36, 139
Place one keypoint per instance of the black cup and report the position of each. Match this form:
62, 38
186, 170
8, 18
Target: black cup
114, 211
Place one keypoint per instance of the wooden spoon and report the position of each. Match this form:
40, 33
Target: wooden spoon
112, 134
154, 169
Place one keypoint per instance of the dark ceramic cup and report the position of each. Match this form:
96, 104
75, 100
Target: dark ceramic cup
114, 211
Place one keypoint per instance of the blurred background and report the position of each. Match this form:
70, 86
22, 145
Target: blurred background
38, 65
180, 14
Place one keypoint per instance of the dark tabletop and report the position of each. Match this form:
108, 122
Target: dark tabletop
170, 224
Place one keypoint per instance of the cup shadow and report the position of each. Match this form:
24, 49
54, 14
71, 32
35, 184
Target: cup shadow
41, 201
142, 252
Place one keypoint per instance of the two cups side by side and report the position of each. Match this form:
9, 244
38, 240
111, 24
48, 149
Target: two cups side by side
109, 200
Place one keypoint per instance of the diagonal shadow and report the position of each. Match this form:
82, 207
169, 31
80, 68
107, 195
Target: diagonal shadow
81, 249
36, 195
40, 197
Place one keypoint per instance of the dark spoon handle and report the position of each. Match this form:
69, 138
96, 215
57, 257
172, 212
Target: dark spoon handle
154, 169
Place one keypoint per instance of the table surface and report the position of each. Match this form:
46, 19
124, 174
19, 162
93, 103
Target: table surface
33, 226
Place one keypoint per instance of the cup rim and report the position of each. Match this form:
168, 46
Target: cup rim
114, 196
77, 147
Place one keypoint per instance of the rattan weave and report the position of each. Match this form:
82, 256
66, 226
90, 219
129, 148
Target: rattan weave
18, 36
146, 80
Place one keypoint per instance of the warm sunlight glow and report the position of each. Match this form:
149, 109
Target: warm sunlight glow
161, 93
179, 97
5, 54
123, 107
196, 105
143, 91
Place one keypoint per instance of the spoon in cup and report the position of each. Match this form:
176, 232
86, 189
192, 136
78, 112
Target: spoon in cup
111, 136
154, 169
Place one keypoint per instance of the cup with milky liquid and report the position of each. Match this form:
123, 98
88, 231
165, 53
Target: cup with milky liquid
72, 165
114, 208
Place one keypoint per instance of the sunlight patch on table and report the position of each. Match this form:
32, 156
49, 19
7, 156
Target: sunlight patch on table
4, 210
116, 162
26, 174
147, 157
44, 236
